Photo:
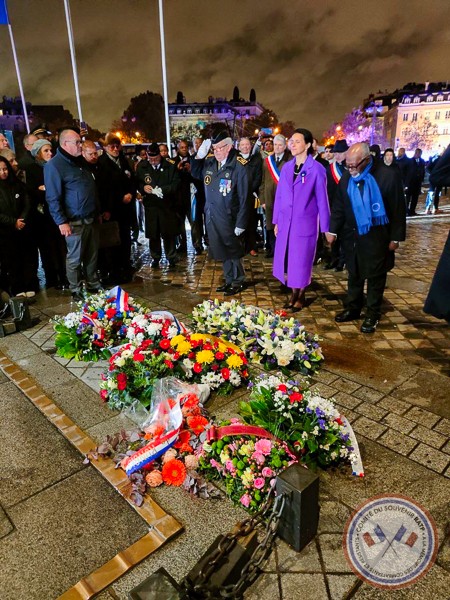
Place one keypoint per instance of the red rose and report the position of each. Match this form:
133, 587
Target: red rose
197, 368
104, 395
110, 313
138, 356
176, 356
214, 367
295, 397
220, 355
225, 373
169, 364
282, 388
121, 382
156, 352
145, 344
164, 344
94, 314
207, 346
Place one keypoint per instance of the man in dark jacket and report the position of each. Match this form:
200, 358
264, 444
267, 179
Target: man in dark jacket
72, 199
253, 164
414, 180
159, 182
117, 189
369, 212
226, 209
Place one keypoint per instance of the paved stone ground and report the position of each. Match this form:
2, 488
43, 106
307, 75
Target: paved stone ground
395, 396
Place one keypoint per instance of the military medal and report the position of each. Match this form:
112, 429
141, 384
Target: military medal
225, 186
207, 179
147, 179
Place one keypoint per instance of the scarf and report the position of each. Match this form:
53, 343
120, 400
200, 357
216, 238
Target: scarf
368, 205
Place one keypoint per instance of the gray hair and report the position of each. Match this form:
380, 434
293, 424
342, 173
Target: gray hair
280, 138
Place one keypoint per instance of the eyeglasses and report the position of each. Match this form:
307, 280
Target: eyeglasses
354, 167
218, 148
114, 145
76, 142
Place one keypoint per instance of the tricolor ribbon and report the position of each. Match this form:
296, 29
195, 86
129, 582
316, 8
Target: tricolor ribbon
160, 444
357, 466
121, 298
165, 314
97, 329
335, 173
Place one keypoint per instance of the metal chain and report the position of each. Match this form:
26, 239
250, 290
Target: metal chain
250, 572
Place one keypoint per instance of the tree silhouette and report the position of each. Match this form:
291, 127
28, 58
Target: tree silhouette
236, 94
252, 95
419, 134
144, 114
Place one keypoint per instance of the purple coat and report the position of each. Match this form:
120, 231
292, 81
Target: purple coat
299, 206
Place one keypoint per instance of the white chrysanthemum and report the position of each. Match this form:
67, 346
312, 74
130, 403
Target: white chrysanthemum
235, 379
187, 362
111, 384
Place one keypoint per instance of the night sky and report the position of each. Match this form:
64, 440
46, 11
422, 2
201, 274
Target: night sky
309, 61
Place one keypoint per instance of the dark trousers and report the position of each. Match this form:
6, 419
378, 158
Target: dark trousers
375, 290
82, 253
169, 248
233, 271
412, 197
251, 229
270, 241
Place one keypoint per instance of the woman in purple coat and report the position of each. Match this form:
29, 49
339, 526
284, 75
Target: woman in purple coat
301, 202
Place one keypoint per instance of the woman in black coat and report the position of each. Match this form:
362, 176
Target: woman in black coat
17, 246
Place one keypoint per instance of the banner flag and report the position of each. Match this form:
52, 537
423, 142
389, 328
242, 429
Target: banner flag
4, 19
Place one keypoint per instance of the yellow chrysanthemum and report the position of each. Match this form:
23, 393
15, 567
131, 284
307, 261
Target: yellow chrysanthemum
205, 356
234, 362
176, 340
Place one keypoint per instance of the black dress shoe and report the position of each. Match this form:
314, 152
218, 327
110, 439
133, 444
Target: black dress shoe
77, 296
223, 288
347, 315
369, 325
339, 268
234, 289
330, 266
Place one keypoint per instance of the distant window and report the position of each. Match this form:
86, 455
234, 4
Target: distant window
445, 131
414, 117
178, 111
405, 116
197, 111
437, 115
189, 111
440, 98
429, 98
447, 114
416, 100
407, 100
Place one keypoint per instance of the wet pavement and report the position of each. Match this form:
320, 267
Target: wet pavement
59, 520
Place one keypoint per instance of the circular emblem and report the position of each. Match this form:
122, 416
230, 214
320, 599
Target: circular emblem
375, 207
390, 541
147, 179
207, 179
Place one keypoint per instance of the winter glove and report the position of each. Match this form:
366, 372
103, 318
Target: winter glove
238, 231
204, 149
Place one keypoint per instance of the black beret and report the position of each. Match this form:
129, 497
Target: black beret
340, 146
153, 149
223, 135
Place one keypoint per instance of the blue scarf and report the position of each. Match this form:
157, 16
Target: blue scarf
368, 206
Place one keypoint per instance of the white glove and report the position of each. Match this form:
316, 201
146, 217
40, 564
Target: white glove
238, 231
204, 149
157, 191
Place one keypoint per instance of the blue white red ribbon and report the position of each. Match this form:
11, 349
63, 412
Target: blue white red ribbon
273, 169
165, 314
357, 466
161, 443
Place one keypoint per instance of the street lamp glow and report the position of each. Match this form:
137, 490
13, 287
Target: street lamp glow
256, 131
118, 134
338, 128
137, 134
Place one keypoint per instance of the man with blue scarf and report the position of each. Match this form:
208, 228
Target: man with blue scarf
369, 213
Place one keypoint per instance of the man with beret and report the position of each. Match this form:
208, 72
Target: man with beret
41, 132
226, 209
159, 182
117, 190
336, 169
72, 199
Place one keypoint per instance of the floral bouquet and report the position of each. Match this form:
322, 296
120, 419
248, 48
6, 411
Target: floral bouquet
246, 464
177, 466
100, 323
154, 326
268, 338
132, 372
309, 424
205, 359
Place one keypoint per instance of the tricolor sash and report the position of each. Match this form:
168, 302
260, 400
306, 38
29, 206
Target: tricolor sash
165, 314
335, 172
273, 169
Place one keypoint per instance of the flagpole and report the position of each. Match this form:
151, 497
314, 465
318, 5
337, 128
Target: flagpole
19, 79
164, 75
73, 57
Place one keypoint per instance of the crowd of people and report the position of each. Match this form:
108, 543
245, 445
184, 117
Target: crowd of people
79, 207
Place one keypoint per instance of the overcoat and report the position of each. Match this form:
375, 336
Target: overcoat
161, 217
299, 207
369, 255
268, 188
226, 204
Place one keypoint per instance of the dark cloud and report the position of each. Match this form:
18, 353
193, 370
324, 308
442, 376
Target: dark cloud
310, 62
